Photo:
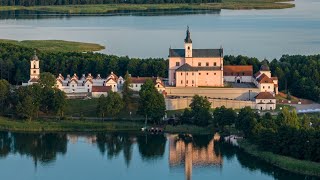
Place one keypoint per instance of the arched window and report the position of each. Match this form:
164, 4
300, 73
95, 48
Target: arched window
188, 47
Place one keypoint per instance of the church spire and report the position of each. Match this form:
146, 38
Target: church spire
188, 36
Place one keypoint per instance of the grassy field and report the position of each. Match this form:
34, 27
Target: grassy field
283, 162
107, 8
88, 108
66, 126
56, 45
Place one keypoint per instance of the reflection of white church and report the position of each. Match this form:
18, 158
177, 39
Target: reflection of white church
79, 87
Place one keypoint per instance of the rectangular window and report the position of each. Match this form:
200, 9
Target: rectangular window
214, 64
207, 64
214, 73
187, 81
177, 63
207, 73
192, 81
181, 82
192, 74
187, 74
181, 74
263, 87
268, 87
199, 73
199, 64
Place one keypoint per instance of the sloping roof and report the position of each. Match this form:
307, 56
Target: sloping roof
59, 80
101, 88
88, 80
238, 70
274, 78
187, 67
34, 80
264, 79
141, 80
196, 52
257, 74
111, 79
265, 95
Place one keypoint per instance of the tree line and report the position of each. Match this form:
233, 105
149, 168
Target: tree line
83, 2
298, 75
27, 102
151, 103
15, 64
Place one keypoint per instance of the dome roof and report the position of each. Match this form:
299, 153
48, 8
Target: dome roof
264, 67
35, 57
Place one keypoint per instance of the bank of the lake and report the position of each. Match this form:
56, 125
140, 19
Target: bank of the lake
66, 126
7, 124
56, 45
283, 162
109, 8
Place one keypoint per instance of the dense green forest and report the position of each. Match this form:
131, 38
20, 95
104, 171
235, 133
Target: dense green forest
294, 136
299, 75
15, 64
80, 2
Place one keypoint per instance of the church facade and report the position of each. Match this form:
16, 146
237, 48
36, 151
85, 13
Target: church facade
191, 67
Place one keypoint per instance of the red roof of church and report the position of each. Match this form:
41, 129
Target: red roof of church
264, 79
265, 95
101, 88
34, 80
238, 70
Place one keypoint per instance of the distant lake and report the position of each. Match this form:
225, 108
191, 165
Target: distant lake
258, 33
123, 156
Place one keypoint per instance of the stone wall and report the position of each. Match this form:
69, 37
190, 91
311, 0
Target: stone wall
182, 103
222, 93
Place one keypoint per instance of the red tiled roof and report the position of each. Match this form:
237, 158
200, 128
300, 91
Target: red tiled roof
264, 79
257, 74
265, 95
33, 80
274, 78
101, 88
141, 80
238, 70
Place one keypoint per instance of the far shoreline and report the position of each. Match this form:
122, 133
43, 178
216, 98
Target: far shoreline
105, 9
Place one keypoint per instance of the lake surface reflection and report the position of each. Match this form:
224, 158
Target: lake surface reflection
128, 156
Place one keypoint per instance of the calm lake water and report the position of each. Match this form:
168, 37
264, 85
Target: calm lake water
258, 33
124, 156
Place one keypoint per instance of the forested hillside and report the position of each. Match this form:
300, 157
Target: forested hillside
80, 2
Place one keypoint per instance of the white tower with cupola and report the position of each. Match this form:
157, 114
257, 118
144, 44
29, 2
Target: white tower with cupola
35, 67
